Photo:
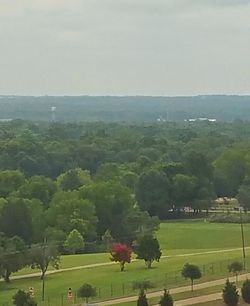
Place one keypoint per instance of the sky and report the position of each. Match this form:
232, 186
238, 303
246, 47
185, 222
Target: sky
124, 47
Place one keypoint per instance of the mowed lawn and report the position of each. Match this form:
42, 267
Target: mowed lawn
175, 238
197, 235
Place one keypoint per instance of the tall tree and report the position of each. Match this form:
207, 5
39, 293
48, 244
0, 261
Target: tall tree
15, 219
74, 179
112, 202
74, 242
148, 249
41, 256
68, 211
152, 192
38, 187
13, 256
10, 180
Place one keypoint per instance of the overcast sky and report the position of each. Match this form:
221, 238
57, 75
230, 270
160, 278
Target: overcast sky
124, 47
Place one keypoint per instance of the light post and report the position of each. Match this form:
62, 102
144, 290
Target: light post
242, 240
43, 279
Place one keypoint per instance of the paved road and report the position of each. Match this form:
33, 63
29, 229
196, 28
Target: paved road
199, 299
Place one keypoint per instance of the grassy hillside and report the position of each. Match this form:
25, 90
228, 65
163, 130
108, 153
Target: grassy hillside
177, 238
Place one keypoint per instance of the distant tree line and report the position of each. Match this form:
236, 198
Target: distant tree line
125, 109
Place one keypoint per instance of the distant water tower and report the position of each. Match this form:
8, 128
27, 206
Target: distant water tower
53, 113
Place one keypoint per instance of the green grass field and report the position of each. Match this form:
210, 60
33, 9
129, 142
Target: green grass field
176, 238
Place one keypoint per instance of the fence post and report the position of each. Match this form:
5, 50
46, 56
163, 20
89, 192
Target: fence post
166, 279
123, 289
212, 268
111, 289
175, 276
62, 299
99, 292
48, 301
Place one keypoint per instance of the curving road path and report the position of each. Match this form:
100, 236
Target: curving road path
37, 274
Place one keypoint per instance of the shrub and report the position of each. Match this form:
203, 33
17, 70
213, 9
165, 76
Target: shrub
230, 294
143, 285
245, 291
86, 291
142, 299
192, 272
228, 218
22, 298
166, 299
235, 267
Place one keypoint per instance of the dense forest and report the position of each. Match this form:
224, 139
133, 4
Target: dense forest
128, 109
88, 184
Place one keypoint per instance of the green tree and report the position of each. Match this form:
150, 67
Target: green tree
148, 249
107, 239
41, 256
245, 291
230, 170
22, 298
142, 286
68, 211
142, 299
38, 218
74, 242
230, 294
183, 189
192, 272
13, 256
86, 291
10, 180
236, 267
15, 219
152, 192
166, 299
243, 196
74, 179
112, 202
38, 187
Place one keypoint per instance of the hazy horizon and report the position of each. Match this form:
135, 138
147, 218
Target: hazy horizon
124, 47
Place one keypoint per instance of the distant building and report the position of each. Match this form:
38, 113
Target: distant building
200, 119
5, 120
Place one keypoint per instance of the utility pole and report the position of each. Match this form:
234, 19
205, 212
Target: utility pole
242, 240
44, 263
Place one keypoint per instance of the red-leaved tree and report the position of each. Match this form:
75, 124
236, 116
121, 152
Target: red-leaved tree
121, 253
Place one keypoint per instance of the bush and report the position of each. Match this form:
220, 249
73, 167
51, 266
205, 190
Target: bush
166, 299
142, 285
86, 291
230, 294
245, 291
235, 267
192, 272
22, 298
228, 218
142, 299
